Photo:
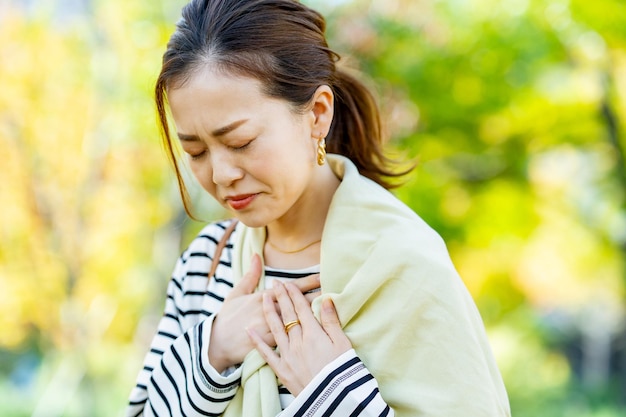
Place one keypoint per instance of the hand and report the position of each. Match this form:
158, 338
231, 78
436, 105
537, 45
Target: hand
243, 308
305, 348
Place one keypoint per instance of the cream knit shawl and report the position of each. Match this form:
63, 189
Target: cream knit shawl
401, 303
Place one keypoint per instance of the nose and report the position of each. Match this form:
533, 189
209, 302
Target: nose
225, 169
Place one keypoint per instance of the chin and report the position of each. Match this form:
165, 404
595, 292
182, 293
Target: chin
251, 221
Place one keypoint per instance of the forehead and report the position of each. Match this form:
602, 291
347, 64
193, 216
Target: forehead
211, 99
216, 92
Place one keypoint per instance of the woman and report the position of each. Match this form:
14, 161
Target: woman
330, 297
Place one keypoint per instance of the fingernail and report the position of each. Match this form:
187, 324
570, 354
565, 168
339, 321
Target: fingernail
328, 305
276, 283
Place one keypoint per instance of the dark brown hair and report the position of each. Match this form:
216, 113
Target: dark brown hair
282, 44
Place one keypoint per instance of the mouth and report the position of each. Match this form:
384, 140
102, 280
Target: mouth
240, 202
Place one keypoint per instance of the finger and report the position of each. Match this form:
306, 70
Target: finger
301, 306
250, 280
274, 321
310, 283
310, 296
266, 336
330, 321
266, 351
285, 303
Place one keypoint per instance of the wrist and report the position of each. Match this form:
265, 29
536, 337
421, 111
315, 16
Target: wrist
218, 355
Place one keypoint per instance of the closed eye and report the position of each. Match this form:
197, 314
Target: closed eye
195, 157
243, 146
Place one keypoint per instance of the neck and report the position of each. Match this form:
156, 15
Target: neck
299, 231
290, 251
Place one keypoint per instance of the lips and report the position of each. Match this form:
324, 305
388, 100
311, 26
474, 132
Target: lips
240, 202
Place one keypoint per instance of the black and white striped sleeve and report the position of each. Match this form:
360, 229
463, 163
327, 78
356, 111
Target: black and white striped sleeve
177, 379
343, 388
184, 383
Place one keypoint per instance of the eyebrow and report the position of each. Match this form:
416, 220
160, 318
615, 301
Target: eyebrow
216, 133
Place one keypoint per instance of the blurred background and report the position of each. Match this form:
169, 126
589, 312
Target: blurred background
515, 110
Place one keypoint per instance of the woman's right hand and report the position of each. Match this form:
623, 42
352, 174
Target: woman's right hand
243, 308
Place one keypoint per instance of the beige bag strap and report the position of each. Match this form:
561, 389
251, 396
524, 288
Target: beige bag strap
220, 247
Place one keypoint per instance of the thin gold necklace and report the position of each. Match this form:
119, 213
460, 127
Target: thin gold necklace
292, 251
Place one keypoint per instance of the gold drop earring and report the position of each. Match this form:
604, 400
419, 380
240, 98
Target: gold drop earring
321, 150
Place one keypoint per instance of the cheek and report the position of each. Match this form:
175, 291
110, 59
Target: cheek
204, 175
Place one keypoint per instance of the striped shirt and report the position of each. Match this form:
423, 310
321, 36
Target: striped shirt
177, 379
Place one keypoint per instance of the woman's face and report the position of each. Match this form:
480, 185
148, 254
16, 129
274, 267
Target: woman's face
252, 153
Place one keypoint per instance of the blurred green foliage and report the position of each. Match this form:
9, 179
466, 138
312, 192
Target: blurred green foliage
513, 109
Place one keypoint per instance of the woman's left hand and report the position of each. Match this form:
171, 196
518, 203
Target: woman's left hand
304, 348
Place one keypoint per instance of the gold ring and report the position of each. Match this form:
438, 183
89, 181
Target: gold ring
289, 325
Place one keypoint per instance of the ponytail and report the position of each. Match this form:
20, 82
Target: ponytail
356, 131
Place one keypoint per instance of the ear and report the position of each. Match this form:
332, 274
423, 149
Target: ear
322, 111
